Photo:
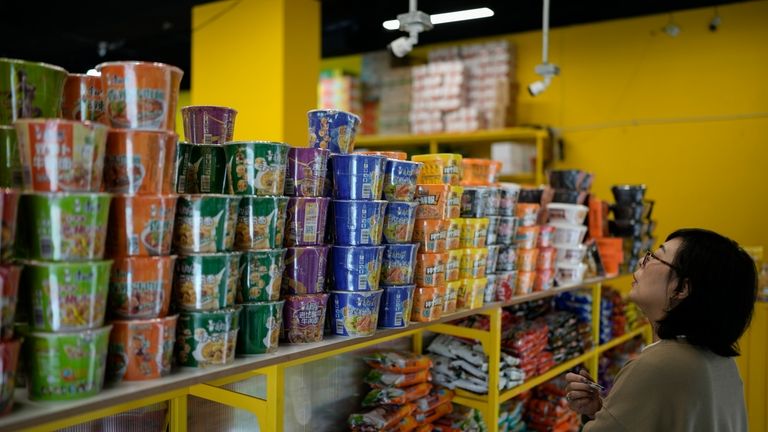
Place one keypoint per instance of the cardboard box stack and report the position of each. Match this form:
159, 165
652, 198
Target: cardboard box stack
339, 90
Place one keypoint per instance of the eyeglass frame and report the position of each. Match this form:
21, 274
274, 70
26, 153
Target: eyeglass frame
650, 254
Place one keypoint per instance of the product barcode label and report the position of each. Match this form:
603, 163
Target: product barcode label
362, 282
46, 247
208, 138
339, 326
367, 193
399, 318
205, 184
365, 236
310, 223
133, 244
290, 187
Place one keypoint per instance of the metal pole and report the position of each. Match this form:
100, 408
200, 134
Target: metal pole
544, 31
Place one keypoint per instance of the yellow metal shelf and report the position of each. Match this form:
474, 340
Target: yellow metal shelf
518, 178
516, 133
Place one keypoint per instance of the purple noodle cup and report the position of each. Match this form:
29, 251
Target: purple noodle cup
307, 171
306, 221
304, 318
305, 270
208, 124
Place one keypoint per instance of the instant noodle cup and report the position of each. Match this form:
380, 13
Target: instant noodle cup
61, 155
10, 161
478, 291
65, 366
400, 179
474, 232
431, 234
489, 294
306, 221
493, 227
9, 202
399, 264
430, 269
256, 167
473, 263
474, 200
569, 274
334, 130
531, 195
202, 168
359, 223
204, 124
141, 95
571, 254
357, 176
9, 362
141, 225
206, 223
507, 259
9, 294
261, 223
507, 230
493, 205
453, 265
396, 306
304, 318
64, 226
453, 235
426, 301
525, 281
479, 171
545, 280
526, 259
207, 338
506, 286
307, 170
84, 99
354, 313
305, 270
568, 234
508, 198
260, 325
546, 234
441, 168
141, 349
493, 258
399, 219
527, 237
30, 90
527, 214
328, 188
397, 155
567, 213
451, 294
546, 259
437, 311
357, 268
261, 275
207, 281
433, 201
143, 162
454, 201
140, 287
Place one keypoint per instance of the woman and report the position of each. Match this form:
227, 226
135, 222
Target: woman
698, 290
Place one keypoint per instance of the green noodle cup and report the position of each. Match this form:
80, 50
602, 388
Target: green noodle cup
256, 167
205, 223
261, 274
66, 297
11, 175
260, 223
30, 90
65, 366
207, 338
63, 226
260, 325
204, 282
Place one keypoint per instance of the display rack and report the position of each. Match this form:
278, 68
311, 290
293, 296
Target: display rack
208, 383
475, 144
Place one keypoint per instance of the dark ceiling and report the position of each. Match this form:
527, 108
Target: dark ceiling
69, 33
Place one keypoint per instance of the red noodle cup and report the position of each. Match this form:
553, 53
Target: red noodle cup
140, 162
84, 99
140, 287
141, 225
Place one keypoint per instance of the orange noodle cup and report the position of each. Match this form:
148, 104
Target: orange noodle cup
527, 213
141, 350
479, 172
141, 225
527, 237
426, 301
431, 234
525, 281
442, 168
140, 287
140, 162
430, 269
526, 259
84, 99
141, 95
433, 201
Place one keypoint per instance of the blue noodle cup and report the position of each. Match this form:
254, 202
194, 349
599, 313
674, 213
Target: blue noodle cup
400, 178
399, 264
358, 176
333, 130
358, 223
357, 268
396, 304
354, 313
399, 219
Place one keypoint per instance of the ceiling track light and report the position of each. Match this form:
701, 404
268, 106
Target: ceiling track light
448, 17
413, 22
546, 70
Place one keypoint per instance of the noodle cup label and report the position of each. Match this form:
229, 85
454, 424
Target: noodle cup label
430, 269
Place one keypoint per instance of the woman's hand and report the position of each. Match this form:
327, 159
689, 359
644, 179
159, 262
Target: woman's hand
582, 398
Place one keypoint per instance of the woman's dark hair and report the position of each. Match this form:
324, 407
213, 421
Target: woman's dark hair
722, 289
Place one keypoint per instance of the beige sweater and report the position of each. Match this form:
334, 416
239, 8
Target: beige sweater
673, 386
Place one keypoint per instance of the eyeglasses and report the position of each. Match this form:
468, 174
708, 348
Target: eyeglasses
649, 255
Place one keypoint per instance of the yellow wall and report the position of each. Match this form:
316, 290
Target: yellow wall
687, 116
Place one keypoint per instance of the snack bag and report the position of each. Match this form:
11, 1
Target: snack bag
398, 362
381, 379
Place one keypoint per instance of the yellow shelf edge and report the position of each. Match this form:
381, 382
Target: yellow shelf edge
514, 133
469, 402
540, 379
463, 332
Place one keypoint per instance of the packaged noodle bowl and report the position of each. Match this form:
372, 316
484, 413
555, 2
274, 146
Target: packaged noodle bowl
441, 168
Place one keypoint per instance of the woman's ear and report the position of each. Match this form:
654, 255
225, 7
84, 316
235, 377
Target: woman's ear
682, 291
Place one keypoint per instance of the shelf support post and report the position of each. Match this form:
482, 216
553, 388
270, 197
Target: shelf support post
593, 362
539, 159
417, 342
494, 362
275, 392
178, 413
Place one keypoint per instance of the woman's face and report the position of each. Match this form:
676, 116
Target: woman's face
654, 281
